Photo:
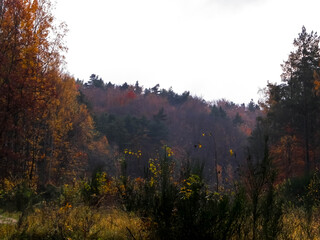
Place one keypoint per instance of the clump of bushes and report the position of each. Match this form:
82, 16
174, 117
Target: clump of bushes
185, 208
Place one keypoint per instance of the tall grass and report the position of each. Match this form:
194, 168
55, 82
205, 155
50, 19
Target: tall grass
81, 222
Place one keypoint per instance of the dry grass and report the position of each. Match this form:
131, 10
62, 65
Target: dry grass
81, 222
296, 226
84, 222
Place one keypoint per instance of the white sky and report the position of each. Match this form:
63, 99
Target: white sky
213, 48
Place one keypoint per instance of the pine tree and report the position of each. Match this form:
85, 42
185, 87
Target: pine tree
292, 105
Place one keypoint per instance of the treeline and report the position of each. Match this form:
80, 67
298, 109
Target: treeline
136, 119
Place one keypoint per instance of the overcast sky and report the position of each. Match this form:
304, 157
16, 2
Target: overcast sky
213, 48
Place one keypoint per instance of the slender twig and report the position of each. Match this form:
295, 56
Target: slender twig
131, 233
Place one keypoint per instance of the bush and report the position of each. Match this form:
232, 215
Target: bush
17, 195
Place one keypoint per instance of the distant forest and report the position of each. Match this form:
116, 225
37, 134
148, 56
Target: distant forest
135, 119
186, 167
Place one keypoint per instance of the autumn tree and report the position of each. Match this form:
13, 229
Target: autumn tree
41, 119
27, 62
292, 105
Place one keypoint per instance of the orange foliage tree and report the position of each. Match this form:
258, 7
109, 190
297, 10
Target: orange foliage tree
43, 128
